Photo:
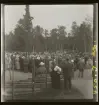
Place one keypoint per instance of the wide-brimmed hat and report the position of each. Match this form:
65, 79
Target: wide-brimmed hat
41, 64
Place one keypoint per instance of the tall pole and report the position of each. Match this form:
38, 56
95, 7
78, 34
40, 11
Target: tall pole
12, 81
3, 53
85, 43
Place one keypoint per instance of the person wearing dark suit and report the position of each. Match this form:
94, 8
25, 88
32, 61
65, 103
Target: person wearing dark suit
67, 73
86, 59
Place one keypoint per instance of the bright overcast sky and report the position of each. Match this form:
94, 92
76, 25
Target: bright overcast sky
48, 16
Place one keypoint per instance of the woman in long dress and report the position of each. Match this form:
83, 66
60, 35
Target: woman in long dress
55, 77
17, 62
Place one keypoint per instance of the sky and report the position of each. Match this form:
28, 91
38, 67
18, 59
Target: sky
47, 16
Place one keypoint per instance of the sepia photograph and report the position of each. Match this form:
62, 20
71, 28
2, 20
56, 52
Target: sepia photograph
47, 52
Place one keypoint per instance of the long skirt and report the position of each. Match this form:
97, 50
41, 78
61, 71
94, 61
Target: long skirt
55, 78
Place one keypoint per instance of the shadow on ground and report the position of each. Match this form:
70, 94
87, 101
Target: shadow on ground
52, 94
58, 94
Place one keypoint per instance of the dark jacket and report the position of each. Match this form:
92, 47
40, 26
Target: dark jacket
81, 65
37, 62
67, 70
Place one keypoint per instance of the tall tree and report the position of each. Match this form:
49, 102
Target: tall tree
39, 40
54, 34
74, 34
29, 29
74, 28
84, 37
62, 35
47, 40
24, 30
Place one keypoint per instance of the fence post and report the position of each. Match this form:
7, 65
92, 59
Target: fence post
12, 82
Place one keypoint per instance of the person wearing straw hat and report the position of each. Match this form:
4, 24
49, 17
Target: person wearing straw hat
41, 69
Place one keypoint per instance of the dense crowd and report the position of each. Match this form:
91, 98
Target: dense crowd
53, 63
20, 59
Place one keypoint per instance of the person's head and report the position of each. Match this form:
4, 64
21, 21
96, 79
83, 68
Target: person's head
42, 64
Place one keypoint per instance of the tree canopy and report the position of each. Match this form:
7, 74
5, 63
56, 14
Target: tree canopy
25, 36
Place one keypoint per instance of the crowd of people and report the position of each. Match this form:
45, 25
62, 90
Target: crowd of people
53, 63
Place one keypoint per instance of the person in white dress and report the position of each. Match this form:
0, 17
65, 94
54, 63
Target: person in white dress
17, 62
